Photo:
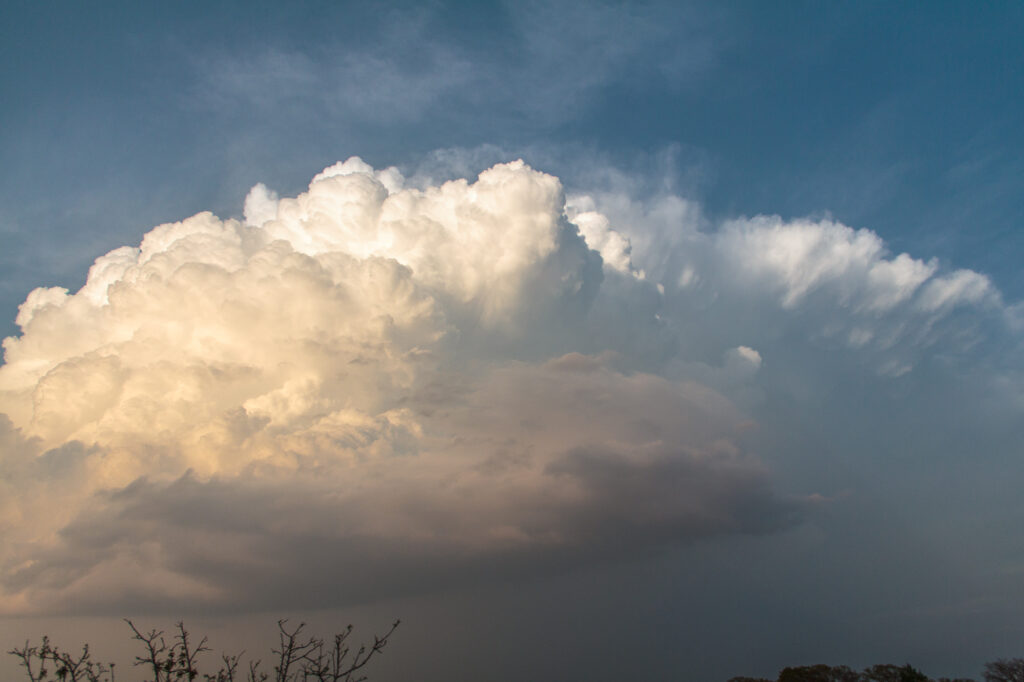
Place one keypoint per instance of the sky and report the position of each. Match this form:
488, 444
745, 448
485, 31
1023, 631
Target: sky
592, 340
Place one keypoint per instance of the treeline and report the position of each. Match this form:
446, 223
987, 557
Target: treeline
298, 656
1002, 670
179, 656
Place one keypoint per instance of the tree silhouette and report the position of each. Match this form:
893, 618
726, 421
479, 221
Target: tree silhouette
881, 673
64, 665
894, 673
818, 673
1005, 670
297, 657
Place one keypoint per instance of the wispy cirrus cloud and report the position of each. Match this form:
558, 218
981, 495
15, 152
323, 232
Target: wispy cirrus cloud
537, 63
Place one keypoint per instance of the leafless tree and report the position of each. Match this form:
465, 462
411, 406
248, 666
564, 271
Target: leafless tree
294, 649
227, 671
298, 658
158, 656
254, 672
332, 664
33, 659
66, 666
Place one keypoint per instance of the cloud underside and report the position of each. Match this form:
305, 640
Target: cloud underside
536, 466
375, 388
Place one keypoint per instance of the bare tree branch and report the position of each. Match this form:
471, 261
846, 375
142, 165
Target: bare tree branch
157, 657
298, 657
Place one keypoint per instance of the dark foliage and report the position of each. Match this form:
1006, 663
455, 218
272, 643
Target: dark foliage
875, 673
1005, 670
893, 673
818, 673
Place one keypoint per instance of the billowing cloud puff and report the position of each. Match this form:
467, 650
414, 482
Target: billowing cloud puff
402, 386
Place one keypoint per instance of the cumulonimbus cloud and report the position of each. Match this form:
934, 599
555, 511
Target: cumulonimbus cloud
405, 386
395, 383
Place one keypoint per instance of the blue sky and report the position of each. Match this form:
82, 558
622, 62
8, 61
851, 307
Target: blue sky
897, 118
822, 205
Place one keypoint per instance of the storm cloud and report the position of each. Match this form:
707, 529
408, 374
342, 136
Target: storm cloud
407, 385
416, 384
